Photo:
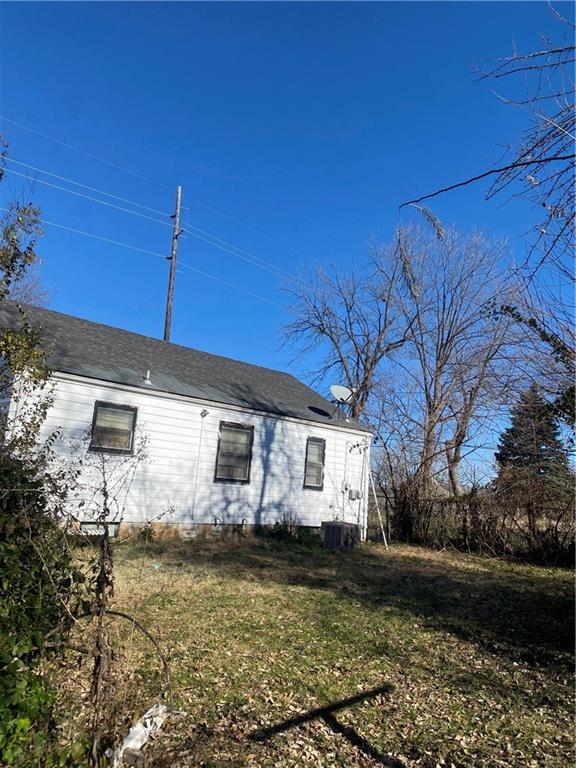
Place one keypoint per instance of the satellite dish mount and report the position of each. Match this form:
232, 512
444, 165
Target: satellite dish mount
342, 395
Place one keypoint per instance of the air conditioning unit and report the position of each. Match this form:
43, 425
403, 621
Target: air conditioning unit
339, 535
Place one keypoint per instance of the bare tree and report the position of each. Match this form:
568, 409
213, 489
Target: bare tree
540, 162
452, 371
30, 289
354, 318
416, 337
547, 144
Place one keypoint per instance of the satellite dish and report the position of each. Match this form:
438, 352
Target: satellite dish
341, 394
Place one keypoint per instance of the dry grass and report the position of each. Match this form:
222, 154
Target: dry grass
449, 659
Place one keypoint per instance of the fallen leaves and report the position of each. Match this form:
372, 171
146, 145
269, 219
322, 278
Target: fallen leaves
256, 635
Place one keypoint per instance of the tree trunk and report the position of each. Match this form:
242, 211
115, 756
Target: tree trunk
453, 461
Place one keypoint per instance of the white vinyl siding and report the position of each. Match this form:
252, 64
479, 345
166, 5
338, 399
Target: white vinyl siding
178, 470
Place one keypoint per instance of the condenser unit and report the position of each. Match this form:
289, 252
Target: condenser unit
339, 535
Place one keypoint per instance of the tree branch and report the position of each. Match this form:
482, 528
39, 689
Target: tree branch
493, 172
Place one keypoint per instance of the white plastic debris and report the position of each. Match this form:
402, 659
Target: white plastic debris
149, 723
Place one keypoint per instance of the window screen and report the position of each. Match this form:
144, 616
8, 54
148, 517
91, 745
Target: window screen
314, 469
113, 428
234, 452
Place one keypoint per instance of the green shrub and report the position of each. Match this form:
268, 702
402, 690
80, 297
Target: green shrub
40, 589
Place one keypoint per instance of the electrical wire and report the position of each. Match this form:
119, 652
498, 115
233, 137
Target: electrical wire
155, 253
196, 232
207, 237
231, 285
196, 200
161, 256
83, 152
86, 186
240, 250
103, 239
228, 216
92, 199
240, 253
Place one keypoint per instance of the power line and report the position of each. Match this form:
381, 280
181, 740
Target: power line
240, 250
159, 255
101, 237
240, 253
83, 152
162, 256
86, 186
88, 197
228, 216
232, 285
214, 240
196, 200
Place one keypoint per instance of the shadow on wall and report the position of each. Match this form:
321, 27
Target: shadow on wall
277, 476
276, 471
270, 500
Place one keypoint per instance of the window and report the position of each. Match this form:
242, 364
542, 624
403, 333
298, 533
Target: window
113, 428
314, 469
234, 452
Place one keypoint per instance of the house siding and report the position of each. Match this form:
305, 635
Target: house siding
174, 484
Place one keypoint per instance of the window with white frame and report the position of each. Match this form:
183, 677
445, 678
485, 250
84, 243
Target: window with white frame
234, 452
314, 467
113, 428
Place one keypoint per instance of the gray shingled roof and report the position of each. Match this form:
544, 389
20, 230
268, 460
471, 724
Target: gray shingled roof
99, 351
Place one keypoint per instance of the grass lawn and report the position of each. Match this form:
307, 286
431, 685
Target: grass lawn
282, 655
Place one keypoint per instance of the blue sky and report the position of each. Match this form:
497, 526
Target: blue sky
305, 123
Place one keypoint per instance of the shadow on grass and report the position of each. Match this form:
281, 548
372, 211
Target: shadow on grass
518, 612
327, 715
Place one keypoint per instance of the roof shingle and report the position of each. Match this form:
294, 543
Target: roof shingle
97, 351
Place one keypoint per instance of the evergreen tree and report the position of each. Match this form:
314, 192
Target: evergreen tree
533, 465
533, 439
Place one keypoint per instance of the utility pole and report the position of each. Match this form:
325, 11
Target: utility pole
176, 232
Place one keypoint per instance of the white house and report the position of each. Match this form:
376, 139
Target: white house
188, 439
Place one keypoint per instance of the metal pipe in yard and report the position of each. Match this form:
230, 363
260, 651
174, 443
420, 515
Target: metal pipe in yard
378, 510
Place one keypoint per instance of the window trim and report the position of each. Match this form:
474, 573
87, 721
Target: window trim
234, 425
319, 441
119, 407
